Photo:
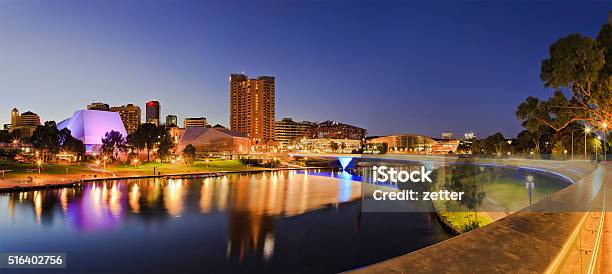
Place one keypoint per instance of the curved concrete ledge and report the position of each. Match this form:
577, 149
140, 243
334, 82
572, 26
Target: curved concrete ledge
529, 241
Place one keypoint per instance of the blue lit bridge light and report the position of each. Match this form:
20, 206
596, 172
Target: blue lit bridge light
345, 161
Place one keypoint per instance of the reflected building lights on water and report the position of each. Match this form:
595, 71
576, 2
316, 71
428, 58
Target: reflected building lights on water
206, 196
173, 199
252, 203
37, 205
134, 198
64, 200
114, 202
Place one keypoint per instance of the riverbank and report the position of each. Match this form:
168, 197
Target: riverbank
20, 185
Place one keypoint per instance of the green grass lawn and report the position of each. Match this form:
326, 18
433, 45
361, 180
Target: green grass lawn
197, 166
460, 217
512, 194
21, 169
503, 192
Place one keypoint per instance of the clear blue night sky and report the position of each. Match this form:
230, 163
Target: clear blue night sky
397, 66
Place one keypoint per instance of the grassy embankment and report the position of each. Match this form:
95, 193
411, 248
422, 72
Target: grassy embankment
21, 170
503, 195
169, 168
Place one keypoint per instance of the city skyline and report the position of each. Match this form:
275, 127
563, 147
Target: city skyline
73, 54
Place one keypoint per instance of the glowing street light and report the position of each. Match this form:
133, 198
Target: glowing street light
587, 130
39, 163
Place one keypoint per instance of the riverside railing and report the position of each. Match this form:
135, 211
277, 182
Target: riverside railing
560, 234
583, 251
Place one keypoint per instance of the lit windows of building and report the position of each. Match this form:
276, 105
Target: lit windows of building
252, 107
195, 122
335, 130
130, 116
171, 120
287, 130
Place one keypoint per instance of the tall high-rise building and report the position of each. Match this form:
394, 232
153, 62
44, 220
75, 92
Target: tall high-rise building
195, 122
287, 130
14, 118
98, 106
252, 107
153, 112
130, 116
171, 120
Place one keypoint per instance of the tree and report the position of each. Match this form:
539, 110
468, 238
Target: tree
463, 179
465, 146
144, 137
189, 152
69, 143
5, 137
165, 143
113, 143
582, 68
333, 146
342, 146
45, 138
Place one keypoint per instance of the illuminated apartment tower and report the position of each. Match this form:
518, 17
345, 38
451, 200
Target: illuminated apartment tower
252, 107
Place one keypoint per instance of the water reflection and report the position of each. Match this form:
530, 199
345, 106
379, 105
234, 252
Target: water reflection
252, 204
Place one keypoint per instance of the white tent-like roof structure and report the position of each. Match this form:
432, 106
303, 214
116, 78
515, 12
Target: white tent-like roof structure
90, 126
214, 139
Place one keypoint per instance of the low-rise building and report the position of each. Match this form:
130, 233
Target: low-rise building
287, 130
195, 122
415, 144
171, 120
24, 124
335, 130
176, 133
98, 106
325, 145
214, 140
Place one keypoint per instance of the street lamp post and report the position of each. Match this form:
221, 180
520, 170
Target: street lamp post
530, 186
597, 149
586, 130
573, 143
605, 130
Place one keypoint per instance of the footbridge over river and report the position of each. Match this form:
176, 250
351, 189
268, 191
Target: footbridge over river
571, 170
563, 233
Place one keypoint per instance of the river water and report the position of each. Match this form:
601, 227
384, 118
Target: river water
284, 222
